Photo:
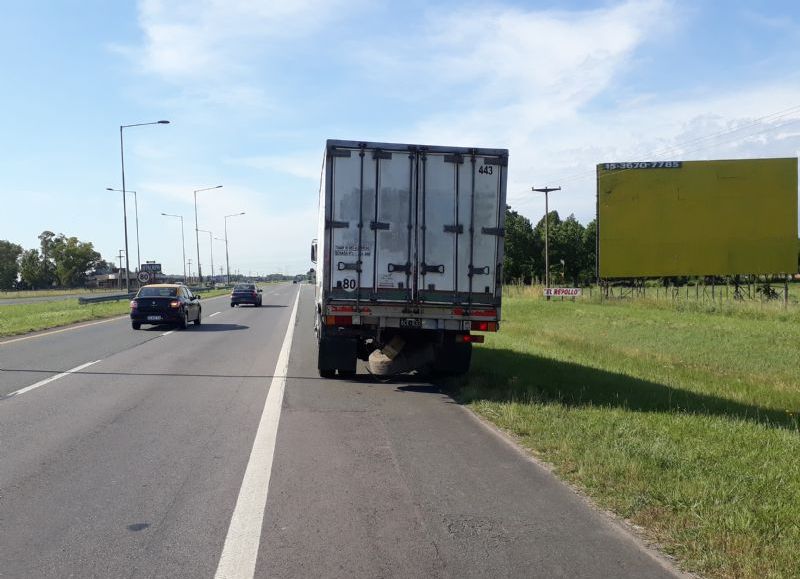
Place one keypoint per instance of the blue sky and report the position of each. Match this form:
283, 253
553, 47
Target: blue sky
253, 89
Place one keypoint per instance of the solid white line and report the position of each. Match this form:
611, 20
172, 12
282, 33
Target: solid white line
51, 379
214, 314
238, 559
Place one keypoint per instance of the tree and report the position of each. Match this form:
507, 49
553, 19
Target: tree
73, 260
30, 269
518, 263
589, 273
568, 249
47, 274
9, 267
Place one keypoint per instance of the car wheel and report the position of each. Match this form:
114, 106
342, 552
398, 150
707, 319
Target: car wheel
136, 325
184, 322
233, 305
197, 321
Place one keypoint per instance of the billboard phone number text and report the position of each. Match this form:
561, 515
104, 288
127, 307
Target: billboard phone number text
643, 165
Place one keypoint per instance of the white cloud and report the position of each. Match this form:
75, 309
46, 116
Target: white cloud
303, 165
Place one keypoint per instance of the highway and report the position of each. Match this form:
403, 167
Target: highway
160, 453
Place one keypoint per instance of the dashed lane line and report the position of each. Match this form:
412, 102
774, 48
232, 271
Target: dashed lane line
48, 380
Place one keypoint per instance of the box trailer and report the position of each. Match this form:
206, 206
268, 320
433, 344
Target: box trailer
408, 255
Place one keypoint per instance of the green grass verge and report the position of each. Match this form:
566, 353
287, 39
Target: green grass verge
18, 319
55, 293
681, 420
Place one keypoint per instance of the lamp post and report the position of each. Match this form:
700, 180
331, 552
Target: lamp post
546, 190
196, 236
227, 261
124, 208
211, 245
183, 243
136, 205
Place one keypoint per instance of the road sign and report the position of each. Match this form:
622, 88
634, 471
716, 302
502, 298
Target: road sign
562, 292
151, 267
144, 276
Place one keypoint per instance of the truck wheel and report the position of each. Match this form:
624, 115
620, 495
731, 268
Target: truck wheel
327, 373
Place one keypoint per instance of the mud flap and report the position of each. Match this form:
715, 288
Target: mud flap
337, 354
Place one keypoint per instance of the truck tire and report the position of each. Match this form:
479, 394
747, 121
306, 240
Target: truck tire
327, 373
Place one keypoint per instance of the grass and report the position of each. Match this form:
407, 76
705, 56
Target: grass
18, 319
681, 418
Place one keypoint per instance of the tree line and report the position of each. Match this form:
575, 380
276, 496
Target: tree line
60, 261
572, 249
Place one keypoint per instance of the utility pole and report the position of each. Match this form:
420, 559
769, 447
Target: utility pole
546, 191
120, 269
187, 281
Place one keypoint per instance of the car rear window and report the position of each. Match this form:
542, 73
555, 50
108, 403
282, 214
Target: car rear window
158, 292
244, 287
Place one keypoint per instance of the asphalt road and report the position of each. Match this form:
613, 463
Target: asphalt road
192, 454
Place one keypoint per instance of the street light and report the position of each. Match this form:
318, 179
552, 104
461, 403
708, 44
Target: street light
546, 190
196, 236
124, 208
183, 243
136, 205
227, 262
211, 245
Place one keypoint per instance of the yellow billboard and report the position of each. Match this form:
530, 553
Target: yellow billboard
676, 218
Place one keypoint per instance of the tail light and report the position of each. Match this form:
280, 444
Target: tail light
255, 294
484, 326
134, 304
175, 304
468, 339
338, 320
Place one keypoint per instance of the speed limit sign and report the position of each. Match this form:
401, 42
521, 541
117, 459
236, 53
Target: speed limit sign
144, 276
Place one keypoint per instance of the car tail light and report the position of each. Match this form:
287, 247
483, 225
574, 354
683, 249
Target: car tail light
255, 294
468, 339
175, 304
338, 320
134, 304
484, 326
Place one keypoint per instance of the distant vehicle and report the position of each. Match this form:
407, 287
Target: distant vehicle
165, 304
404, 276
246, 293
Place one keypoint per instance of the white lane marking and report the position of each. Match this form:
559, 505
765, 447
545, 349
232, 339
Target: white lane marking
214, 314
50, 379
238, 559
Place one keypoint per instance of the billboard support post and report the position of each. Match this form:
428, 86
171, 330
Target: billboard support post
546, 190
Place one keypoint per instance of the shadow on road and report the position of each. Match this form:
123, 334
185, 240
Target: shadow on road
509, 376
205, 327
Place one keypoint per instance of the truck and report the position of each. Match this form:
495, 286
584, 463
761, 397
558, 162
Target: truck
408, 255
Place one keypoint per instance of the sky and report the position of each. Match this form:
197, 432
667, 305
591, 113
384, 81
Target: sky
253, 89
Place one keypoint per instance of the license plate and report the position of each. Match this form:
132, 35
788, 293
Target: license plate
410, 323
153, 318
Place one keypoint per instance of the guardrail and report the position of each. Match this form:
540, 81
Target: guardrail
130, 296
111, 298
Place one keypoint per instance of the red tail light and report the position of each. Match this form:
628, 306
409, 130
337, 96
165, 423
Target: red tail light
468, 339
484, 326
134, 304
338, 321
175, 304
